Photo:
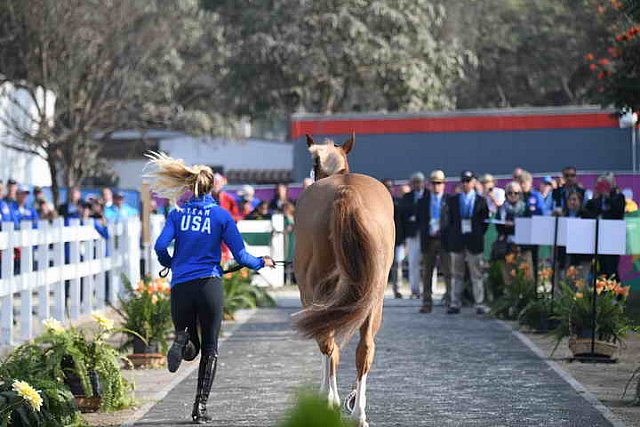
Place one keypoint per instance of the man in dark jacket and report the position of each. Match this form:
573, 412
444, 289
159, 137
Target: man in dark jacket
431, 239
414, 216
562, 193
466, 225
607, 203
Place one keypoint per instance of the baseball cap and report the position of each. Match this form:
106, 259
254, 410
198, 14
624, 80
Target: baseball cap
437, 176
12, 181
548, 179
467, 175
24, 189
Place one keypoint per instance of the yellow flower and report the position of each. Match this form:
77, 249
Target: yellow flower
154, 298
104, 323
580, 283
28, 393
579, 295
53, 326
510, 258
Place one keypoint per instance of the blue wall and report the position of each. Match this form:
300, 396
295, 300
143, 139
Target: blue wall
398, 155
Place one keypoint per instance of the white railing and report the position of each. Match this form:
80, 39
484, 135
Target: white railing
276, 248
71, 271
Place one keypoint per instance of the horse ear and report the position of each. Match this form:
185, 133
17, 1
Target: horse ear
310, 140
348, 146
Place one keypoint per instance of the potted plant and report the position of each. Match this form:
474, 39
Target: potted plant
146, 310
88, 364
519, 288
538, 313
575, 316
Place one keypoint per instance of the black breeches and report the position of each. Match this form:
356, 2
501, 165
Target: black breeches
199, 301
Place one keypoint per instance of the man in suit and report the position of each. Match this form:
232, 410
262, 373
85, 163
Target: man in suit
413, 214
431, 238
467, 213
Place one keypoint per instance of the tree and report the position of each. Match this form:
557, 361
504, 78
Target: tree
530, 52
111, 64
617, 69
338, 56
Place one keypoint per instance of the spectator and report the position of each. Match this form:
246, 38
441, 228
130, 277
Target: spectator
107, 198
516, 173
395, 275
466, 225
431, 240
404, 189
247, 193
514, 207
493, 195
122, 210
261, 212
533, 200
568, 186
12, 190
288, 211
582, 263
607, 203
414, 215
5, 211
281, 197
546, 191
630, 205
45, 211
224, 199
73, 208
21, 212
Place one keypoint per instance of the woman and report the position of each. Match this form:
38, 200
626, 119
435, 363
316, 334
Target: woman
199, 228
513, 207
581, 263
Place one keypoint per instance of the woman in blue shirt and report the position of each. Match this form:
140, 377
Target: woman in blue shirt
198, 229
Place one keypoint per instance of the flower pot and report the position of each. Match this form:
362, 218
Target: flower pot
146, 360
88, 404
139, 346
582, 347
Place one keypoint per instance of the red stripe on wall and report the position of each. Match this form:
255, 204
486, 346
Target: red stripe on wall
452, 124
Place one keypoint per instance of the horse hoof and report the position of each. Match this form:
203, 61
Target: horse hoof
350, 402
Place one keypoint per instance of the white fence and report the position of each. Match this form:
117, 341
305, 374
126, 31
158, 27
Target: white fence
274, 228
62, 271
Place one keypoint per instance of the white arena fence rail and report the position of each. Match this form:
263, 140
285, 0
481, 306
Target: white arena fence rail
262, 237
63, 272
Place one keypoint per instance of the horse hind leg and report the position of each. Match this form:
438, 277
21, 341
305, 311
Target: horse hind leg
330, 359
356, 402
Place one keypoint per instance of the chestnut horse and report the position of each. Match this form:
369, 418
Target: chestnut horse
344, 249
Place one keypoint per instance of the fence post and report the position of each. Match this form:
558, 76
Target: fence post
43, 266
6, 315
26, 280
156, 223
59, 291
74, 259
87, 281
100, 283
132, 249
115, 252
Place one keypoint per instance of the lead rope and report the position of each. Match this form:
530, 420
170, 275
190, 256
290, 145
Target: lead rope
165, 271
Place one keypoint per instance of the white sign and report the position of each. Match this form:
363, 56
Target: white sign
612, 236
543, 230
523, 231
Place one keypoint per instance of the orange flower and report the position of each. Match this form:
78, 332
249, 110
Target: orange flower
579, 295
572, 272
512, 273
604, 61
546, 273
589, 57
510, 258
580, 283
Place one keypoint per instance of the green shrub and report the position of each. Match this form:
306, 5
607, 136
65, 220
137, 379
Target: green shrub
312, 410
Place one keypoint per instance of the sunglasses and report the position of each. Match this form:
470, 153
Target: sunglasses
437, 182
513, 193
569, 175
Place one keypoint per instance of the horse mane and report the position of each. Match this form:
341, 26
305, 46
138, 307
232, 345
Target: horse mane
332, 158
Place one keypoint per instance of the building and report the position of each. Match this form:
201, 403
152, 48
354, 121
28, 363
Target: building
537, 139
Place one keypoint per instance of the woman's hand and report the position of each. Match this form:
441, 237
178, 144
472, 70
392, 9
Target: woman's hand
268, 261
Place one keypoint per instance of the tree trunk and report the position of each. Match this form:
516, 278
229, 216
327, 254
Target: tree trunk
53, 170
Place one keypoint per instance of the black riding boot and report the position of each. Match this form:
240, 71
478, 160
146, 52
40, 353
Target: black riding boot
206, 375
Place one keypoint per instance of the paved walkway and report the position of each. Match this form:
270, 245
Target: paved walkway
430, 370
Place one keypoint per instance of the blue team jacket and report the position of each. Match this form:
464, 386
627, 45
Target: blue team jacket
199, 228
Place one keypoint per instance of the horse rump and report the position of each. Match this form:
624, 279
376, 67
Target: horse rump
354, 246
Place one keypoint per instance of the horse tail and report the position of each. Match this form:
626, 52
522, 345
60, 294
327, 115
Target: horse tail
352, 300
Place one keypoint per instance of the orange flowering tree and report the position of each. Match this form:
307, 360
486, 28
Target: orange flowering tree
146, 310
617, 70
575, 310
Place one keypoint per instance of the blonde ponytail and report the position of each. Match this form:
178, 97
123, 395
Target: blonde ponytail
170, 177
